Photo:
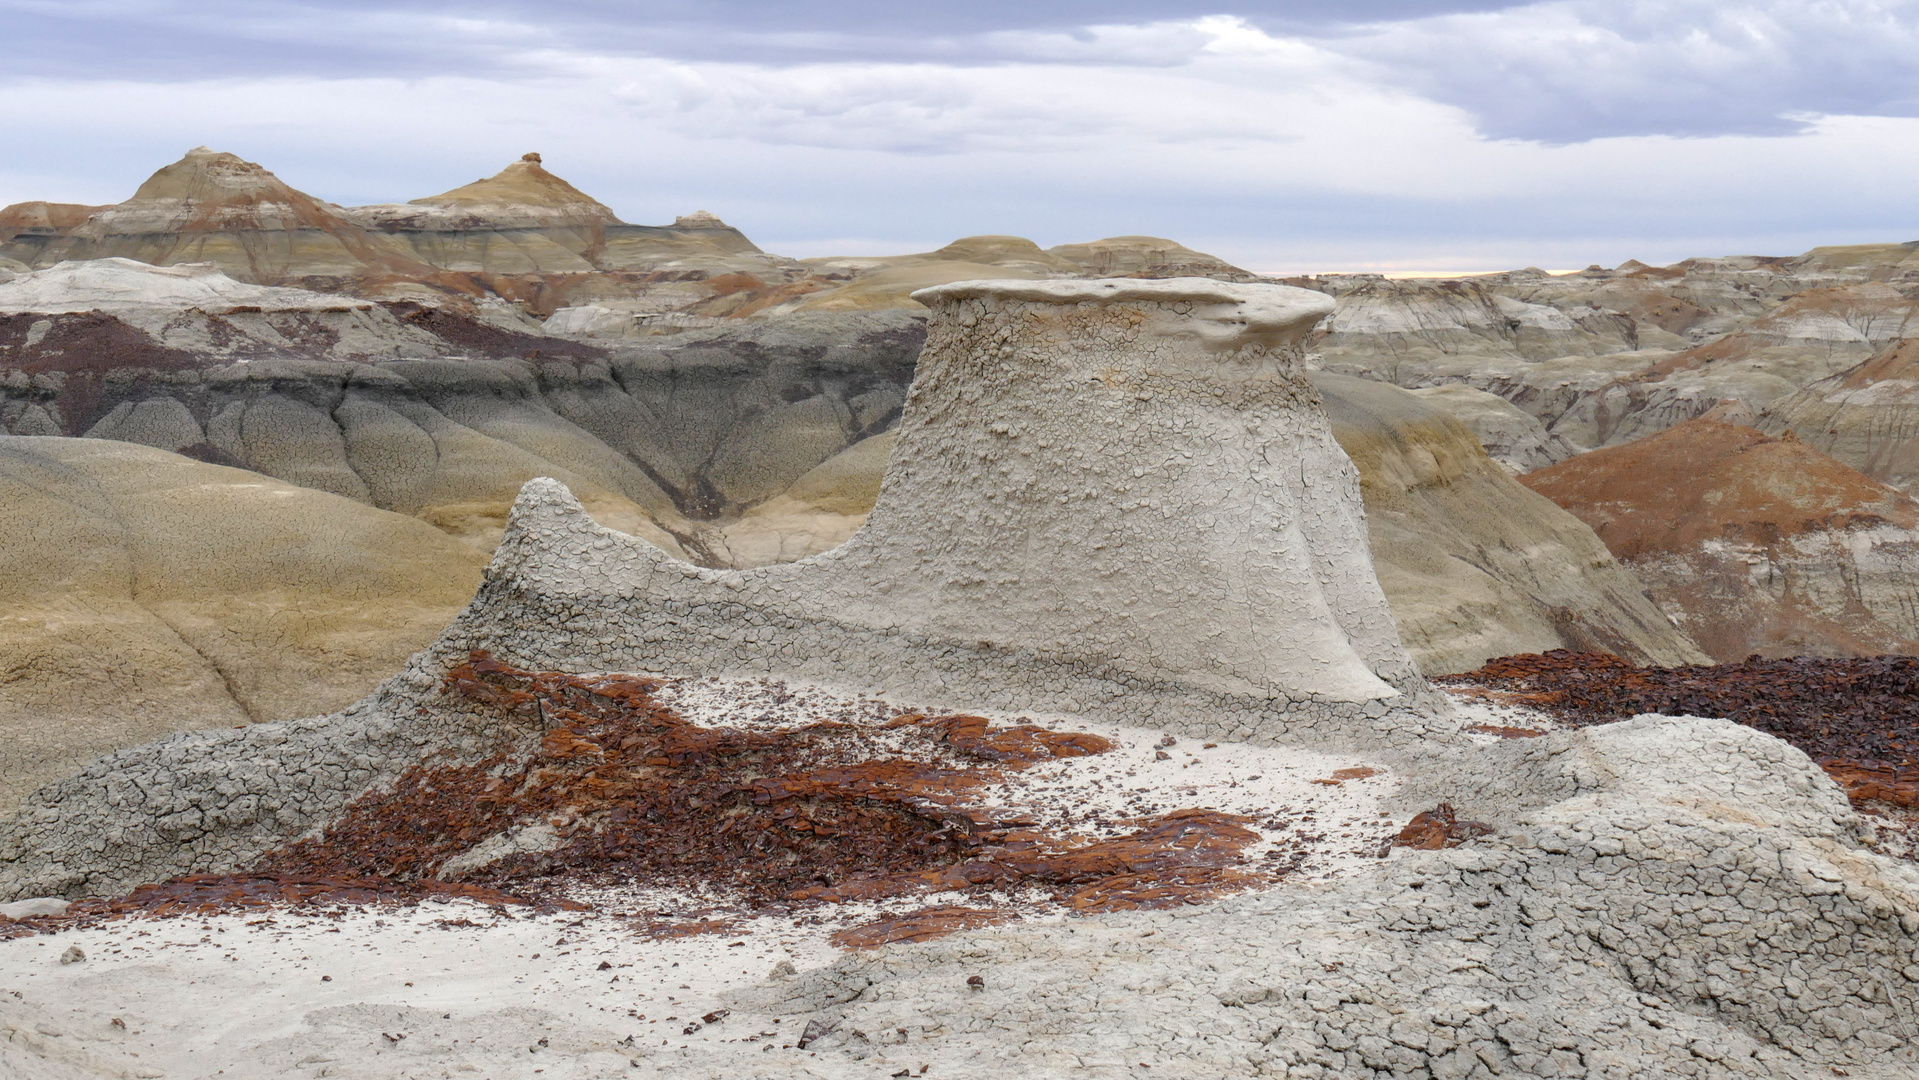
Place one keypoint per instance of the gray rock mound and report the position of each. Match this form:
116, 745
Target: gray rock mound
1664, 897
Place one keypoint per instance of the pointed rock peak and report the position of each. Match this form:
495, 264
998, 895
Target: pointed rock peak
521, 188
205, 175
209, 190
699, 219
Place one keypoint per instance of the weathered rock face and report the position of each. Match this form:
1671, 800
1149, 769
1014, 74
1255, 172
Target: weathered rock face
1867, 417
145, 593
85, 316
1605, 357
1754, 544
526, 221
1476, 565
521, 196
1029, 577
1421, 321
1473, 564
215, 207
430, 413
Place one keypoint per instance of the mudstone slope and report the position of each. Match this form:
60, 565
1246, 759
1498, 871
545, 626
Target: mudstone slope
1756, 545
1603, 357
146, 593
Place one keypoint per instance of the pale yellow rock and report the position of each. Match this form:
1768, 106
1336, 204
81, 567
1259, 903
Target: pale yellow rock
143, 593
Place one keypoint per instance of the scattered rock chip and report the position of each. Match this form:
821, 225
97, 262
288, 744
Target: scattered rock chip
816, 1029
27, 909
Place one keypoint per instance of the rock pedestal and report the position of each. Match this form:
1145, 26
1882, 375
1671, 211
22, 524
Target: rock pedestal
1116, 497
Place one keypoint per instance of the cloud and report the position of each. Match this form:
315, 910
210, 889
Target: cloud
1284, 145
1559, 71
1586, 69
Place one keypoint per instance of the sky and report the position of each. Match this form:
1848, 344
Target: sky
1284, 136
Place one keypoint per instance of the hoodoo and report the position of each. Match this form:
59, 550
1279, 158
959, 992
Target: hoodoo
1109, 495
1116, 498
521, 196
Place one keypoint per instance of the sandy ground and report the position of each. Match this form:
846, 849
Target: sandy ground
458, 989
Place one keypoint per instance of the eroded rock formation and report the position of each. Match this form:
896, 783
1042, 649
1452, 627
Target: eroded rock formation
1475, 564
1109, 497
1603, 357
1866, 416
1121, 499
1754, 544
524, 235
430, 412
1081, 431
524, 242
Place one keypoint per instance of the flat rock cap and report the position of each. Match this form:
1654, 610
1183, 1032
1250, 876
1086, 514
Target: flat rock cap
1259, 305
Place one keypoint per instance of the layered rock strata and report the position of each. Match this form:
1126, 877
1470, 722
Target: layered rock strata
1603, 357
1755, 545
431, 413
524, 235
1866, 416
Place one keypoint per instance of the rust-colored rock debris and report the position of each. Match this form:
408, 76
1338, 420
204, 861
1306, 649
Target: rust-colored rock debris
622, 790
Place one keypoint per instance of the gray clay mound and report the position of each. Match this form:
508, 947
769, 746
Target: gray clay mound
1122, 499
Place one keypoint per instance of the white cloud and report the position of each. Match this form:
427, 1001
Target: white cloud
1573, 70
1281, 152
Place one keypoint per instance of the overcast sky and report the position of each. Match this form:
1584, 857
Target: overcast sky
1283, 135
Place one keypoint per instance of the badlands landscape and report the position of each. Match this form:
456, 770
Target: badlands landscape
480, 636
